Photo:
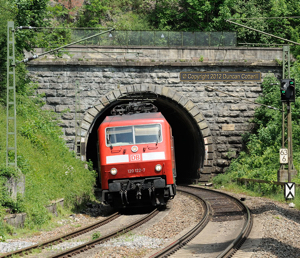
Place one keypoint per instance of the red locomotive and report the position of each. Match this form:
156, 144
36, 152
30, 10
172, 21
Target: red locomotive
137, 163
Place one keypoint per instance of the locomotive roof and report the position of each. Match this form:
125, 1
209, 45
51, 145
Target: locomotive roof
134, 117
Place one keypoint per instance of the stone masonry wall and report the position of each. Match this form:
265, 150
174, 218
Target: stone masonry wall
227, 117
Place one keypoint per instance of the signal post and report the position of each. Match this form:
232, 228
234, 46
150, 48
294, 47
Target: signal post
287, 90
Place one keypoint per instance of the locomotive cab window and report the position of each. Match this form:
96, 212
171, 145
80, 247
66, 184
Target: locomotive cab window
116, 136
127, 135
147, 133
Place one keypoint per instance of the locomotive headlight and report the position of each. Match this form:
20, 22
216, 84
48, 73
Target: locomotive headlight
158, 168
113, 171
134, 148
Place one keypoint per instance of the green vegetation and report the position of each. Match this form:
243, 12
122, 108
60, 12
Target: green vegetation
260, 157
201, 15
51, 170
96, 235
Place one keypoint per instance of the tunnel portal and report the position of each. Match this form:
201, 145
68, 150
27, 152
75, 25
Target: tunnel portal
188, 138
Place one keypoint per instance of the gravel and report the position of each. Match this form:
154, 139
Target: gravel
279, 236
134, 242
13, 246
280, 227
183, 212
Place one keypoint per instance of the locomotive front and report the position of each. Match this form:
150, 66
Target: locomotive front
137, 164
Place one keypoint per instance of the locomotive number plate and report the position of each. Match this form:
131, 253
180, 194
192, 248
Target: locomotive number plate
135, 157
136, 170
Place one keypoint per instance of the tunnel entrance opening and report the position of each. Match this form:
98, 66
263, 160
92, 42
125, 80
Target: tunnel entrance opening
189, 143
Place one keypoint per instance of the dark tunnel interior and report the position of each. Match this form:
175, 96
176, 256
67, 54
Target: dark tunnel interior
189, 146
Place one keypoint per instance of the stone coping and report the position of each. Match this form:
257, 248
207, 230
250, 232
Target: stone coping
178, 47
135, 62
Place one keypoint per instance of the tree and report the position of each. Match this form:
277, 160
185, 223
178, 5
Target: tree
203, 15
23, 13
93, 13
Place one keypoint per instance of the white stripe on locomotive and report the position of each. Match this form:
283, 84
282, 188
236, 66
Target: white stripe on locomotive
153, 156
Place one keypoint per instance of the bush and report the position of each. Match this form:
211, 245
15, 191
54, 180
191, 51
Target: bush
221, 180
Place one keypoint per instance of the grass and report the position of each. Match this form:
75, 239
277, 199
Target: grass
96, 235
51, 170
53, 223
254, 189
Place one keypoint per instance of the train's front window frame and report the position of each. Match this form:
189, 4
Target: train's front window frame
133, 134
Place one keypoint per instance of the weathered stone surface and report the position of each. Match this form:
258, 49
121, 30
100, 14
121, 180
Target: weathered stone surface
205, 132
69, 132
205, 177
208, 170
61, 108
199, 117
177, 97
189, 105
194, 111
202, 125
167, 92
104, 101
99, 107
54, 101
85, 125
89, 118
93, 111
208, 162
222, 162
68, 116
208, 140
48, 107
16, 185
183, 101
47, 92
209, 148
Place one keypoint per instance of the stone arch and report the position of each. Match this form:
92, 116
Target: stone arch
167, 99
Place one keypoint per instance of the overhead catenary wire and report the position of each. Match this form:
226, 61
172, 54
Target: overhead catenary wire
56, 49
268, 34
50, 28
267, 18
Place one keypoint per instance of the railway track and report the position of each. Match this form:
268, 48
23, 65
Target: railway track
220, 208
87, 245
91, 244
217, 208
60, 239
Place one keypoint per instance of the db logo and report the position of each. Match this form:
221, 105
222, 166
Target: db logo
135, 157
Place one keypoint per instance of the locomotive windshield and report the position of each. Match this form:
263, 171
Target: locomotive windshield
137, 134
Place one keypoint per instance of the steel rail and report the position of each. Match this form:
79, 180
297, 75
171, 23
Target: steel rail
173, 247
60, 239
230, 249
91, 244
240, 239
